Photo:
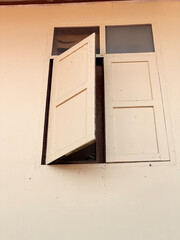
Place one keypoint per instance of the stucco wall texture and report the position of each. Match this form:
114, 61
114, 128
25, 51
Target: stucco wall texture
105, 201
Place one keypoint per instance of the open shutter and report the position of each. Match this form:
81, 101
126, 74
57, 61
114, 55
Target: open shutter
135, 125
72, 103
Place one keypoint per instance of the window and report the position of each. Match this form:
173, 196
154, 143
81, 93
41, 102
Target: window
65, 38
129, 39
128, 96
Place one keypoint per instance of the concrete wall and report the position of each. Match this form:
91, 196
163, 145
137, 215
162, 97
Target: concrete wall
103, 202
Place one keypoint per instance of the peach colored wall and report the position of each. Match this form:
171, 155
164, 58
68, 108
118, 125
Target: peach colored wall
84, 201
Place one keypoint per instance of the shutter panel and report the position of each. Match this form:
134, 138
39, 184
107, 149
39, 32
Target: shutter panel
135, 125
72, 103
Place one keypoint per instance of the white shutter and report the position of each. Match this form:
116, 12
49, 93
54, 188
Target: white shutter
72, 102
135, 125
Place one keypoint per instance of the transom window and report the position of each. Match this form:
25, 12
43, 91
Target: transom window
66, 37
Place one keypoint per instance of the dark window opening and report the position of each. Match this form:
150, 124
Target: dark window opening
43, 160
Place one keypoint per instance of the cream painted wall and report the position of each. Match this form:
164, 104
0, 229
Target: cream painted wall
79, 202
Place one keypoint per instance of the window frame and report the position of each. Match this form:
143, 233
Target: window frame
157, 52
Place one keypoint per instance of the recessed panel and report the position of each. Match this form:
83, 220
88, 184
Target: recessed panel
72, 71
135, 131
70, 122
131, 81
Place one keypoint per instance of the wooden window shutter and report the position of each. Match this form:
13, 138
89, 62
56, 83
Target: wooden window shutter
72, 103
135, 124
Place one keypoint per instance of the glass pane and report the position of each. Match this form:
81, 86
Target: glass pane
65, 38
129, 39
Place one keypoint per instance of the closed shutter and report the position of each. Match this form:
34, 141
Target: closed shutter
135, 125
